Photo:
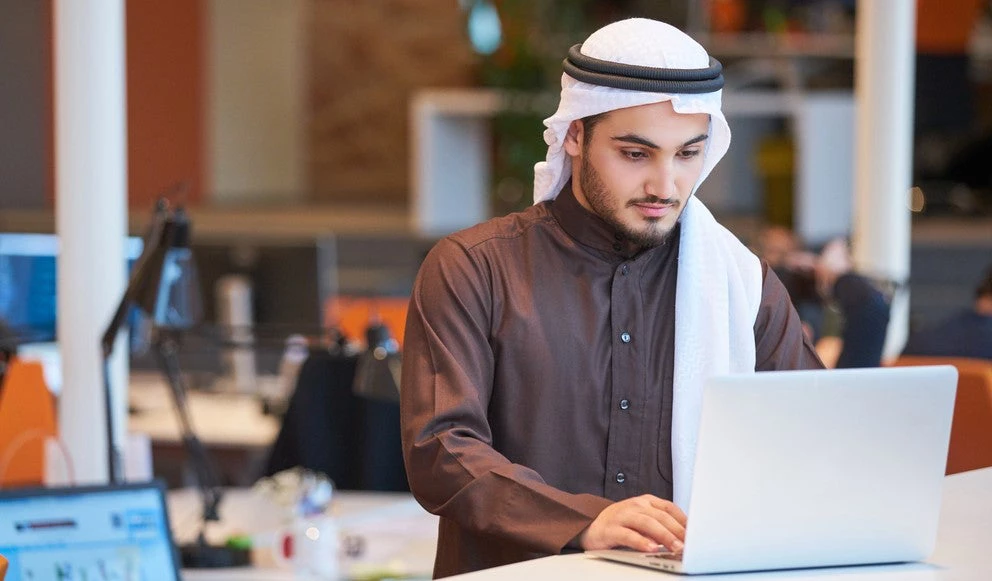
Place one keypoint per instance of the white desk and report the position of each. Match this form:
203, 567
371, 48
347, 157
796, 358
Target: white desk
398, 533
231, 426
964, 551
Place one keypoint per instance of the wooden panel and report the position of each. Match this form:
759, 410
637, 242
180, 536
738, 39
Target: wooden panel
165, 98
367, 60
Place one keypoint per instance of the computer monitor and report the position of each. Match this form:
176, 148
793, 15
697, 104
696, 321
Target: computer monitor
27, 285
28, 304
28, 288
102, 532
290, 280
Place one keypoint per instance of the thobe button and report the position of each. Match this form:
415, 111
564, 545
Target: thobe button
625, 337
624, 270
621, 477
624, 404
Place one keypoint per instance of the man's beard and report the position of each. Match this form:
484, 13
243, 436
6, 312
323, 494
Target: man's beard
599, 198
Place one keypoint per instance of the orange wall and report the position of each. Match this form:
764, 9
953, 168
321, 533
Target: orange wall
165, 48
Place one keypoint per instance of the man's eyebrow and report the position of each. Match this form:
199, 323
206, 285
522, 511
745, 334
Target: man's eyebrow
696, 139
638, 140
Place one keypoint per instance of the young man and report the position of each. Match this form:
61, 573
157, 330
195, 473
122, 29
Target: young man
554, 358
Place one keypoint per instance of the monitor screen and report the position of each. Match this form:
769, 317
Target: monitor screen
87, 533
28, 283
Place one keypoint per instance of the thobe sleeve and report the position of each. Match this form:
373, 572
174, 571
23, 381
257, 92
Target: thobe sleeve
453, 468
779, 340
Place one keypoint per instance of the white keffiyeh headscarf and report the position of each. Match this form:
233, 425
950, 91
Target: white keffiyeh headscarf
719, 281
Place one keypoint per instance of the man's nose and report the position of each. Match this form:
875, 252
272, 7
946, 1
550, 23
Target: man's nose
661, 183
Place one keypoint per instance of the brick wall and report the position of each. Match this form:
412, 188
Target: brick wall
367, 59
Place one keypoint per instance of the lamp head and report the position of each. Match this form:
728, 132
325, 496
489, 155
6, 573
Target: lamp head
177, 302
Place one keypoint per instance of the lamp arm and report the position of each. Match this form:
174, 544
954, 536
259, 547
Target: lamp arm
143, 273
167, 346
151, 254
110, 334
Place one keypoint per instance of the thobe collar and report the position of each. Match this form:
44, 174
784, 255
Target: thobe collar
590, 230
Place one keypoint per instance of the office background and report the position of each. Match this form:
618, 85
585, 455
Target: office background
291, 119
289, 127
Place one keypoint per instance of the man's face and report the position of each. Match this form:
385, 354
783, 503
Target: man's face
637, 169
777, 244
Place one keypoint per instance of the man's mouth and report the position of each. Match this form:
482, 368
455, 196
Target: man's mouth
655, 209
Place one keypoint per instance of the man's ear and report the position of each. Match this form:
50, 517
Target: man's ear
574, 138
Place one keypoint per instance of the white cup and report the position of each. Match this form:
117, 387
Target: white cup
311, 546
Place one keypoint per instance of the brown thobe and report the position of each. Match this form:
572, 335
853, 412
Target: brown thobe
537, 379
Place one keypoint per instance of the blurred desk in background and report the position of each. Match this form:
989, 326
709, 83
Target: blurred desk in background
232, 426
396, 534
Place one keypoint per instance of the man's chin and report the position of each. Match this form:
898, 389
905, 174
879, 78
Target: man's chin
641, 230
655, 234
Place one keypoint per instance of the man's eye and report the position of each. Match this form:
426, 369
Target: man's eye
688, 153
634, 154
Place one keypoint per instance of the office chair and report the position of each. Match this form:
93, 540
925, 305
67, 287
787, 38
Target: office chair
971, 428
27, 418
354, 440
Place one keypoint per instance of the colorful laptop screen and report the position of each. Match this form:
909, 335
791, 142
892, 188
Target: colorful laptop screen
97, 534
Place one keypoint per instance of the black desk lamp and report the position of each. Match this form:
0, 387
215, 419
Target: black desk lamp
377, 372
164, 285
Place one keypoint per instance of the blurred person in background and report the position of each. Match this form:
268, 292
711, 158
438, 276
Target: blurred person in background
965, 334
819, 282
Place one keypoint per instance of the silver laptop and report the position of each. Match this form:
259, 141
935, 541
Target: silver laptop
103, 532
821, 468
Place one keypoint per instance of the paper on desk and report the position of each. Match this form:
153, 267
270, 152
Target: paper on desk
400, 538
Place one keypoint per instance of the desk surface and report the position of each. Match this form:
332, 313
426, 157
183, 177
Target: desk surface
964, 551
220, 419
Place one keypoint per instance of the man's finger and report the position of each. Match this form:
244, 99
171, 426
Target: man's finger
625, 537
666, 520
649, 526
671, 508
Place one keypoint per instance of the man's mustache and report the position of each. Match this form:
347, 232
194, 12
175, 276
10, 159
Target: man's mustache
674, 202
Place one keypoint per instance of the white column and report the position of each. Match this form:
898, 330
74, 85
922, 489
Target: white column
91, 218
883, 149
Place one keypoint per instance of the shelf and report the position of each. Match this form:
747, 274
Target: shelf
789, 45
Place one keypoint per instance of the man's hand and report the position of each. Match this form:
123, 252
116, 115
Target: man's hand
641, 523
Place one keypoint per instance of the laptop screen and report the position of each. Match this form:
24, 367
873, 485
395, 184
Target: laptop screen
118, 532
